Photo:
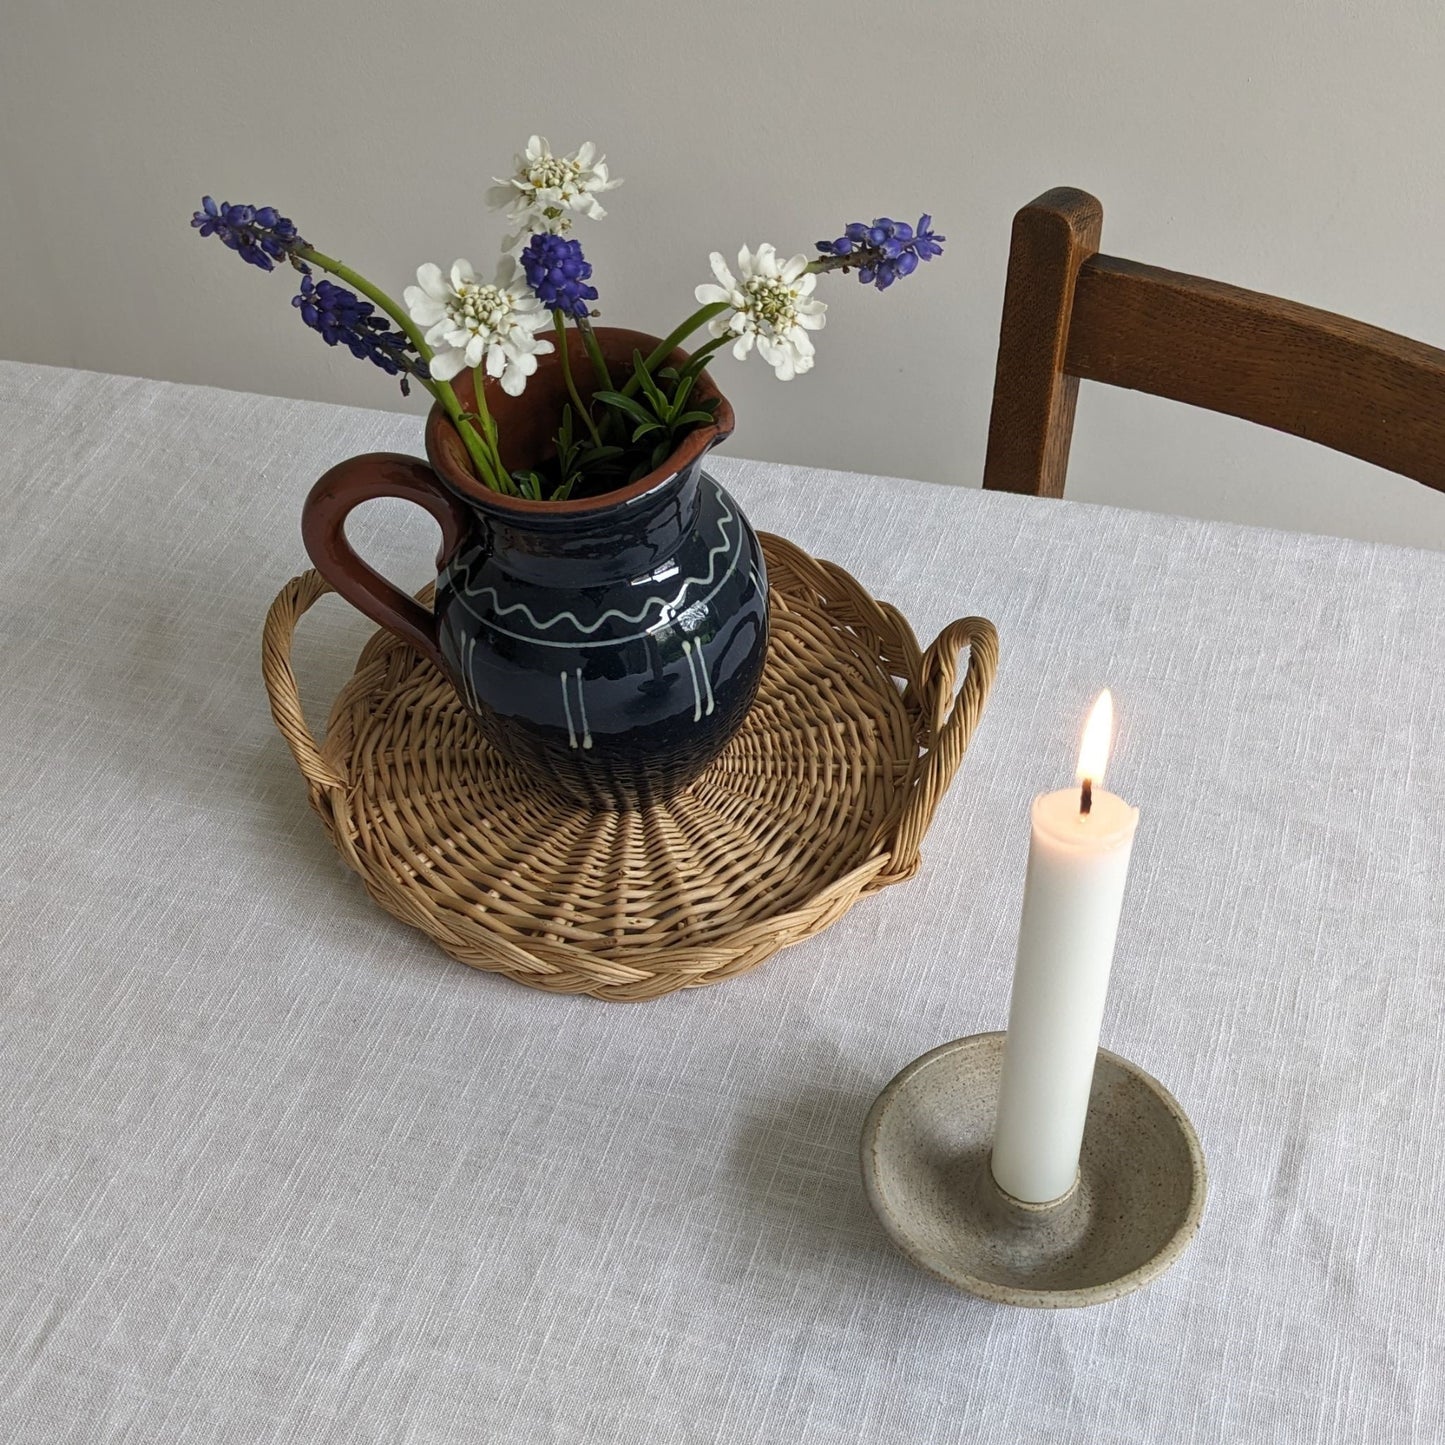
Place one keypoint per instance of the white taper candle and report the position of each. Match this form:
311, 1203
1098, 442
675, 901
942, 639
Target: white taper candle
1078, 864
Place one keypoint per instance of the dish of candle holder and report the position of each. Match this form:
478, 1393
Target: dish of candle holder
824, 796
1135, 1204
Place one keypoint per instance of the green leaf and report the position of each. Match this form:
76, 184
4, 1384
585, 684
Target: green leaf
679, 398
648, 385
618, 402
566, 445
594, 455
704, 354
644, 429
692, 418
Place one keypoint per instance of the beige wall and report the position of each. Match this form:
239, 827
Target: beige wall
1294, 147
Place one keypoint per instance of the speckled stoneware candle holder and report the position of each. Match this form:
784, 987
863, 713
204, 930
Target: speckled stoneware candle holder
1133, 1209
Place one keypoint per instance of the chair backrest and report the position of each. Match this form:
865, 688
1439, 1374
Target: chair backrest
1071, 313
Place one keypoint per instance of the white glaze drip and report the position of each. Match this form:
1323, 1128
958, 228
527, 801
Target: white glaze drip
567, 708
582, 709
696, 686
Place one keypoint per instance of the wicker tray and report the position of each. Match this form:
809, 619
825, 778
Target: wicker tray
824, 796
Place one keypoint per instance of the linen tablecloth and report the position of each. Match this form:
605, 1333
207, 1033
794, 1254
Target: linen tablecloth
273, 1169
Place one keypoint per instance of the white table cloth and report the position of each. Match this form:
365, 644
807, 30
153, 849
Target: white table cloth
272, 1169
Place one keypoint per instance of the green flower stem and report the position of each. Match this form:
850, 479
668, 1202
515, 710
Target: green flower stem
489, 427
441, 390
674, 339
487, 467
501, 482
594, 353
559, 322
480, 447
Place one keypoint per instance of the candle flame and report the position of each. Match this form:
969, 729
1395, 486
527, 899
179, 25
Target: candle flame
1098, 731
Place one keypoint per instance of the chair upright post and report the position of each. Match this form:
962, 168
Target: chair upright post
1033, 399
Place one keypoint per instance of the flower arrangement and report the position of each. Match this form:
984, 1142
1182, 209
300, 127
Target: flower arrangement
455, 320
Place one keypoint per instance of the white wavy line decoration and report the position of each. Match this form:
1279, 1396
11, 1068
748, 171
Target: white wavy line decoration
587, 629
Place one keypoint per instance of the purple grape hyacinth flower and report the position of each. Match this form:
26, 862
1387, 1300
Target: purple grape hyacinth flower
343, 319
558, 272
884, 251
260, 235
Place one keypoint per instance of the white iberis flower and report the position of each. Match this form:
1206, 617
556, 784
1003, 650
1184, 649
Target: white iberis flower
468, 320
772, 305
546, 190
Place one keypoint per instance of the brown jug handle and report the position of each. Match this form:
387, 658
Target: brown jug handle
323, 530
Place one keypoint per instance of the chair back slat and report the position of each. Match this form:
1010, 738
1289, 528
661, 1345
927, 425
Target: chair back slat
1071, 313
1347, 385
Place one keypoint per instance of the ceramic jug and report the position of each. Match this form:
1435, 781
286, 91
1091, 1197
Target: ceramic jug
609, 646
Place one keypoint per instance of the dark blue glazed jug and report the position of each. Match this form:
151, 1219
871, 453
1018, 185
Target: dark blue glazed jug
607, 646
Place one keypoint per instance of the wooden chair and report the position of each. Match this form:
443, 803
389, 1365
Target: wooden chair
1071, 313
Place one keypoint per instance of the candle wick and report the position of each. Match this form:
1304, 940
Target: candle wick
1086, 797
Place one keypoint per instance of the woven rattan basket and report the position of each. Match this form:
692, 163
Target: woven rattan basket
824, 796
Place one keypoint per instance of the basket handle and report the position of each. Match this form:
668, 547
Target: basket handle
299, 594
951, 721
